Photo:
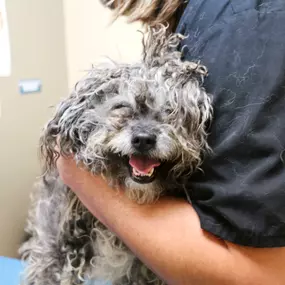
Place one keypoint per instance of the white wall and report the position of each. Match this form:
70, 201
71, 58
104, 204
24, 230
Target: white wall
90, 36
38, 51
44, 33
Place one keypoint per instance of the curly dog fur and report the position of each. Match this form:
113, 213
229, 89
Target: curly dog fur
142, 127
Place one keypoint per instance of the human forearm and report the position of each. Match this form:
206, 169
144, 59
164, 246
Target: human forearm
168, 238
175, 249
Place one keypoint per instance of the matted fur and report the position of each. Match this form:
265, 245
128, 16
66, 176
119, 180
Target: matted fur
160, 95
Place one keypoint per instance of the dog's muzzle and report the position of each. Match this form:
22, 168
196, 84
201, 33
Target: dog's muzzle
142, 167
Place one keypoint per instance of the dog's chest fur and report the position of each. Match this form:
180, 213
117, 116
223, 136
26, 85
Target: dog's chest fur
78, 246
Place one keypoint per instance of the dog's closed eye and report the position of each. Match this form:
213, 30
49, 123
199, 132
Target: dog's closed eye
120, 106
120, 111
168, 110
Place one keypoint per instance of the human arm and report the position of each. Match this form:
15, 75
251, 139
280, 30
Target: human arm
167, 237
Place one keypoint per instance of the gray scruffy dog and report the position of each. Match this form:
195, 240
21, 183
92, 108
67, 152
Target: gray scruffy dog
142, 127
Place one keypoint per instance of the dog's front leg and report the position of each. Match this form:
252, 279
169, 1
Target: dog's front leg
42, 268
44, 252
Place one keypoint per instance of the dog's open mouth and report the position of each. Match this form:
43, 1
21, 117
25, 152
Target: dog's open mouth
143, 168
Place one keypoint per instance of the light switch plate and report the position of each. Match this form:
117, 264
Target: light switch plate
27, 86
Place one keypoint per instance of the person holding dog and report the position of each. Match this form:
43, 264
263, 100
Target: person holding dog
231, 229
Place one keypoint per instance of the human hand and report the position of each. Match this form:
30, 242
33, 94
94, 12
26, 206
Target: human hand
71, 174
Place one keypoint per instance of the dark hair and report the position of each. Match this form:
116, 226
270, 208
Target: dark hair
148, 12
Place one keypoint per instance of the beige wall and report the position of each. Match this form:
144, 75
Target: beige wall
90, 37
43, 34
38, 51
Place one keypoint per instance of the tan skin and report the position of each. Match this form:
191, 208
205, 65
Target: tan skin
168, 238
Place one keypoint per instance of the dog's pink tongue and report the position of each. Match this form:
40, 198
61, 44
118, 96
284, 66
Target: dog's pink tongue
143, 164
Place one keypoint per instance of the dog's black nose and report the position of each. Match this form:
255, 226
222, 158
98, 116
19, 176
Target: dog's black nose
143, 142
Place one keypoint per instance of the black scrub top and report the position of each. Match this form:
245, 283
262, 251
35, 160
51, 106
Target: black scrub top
240, 195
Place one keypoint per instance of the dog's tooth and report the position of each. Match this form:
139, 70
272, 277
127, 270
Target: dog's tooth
138, 173
151, 172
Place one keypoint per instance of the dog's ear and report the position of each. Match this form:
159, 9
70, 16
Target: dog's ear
160, 46
191, 111
161, 56
70, 126
189, 104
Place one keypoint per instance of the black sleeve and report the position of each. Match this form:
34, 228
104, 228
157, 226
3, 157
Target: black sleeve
240, 196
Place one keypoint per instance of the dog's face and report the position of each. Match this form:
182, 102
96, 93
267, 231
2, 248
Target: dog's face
143, 139
141, 126
139, 132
